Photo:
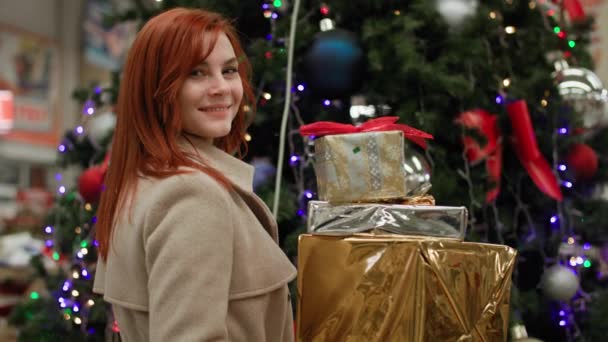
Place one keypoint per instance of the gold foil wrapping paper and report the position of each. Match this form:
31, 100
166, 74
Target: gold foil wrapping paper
360, 167
417, 200
369, 288
346, 219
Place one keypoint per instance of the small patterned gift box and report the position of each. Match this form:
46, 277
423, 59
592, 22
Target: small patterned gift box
361, 163
360, 167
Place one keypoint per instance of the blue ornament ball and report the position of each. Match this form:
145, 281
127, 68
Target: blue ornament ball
334, 64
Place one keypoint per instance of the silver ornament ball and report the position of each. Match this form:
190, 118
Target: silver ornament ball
520, 334
455, 12
417, 172
583, 90
559, 283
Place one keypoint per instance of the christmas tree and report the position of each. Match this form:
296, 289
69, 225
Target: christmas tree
505, 86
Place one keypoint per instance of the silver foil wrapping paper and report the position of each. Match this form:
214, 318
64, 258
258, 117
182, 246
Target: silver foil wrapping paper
346, 219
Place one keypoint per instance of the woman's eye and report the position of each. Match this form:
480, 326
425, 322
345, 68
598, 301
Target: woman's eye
231, 70
196, 72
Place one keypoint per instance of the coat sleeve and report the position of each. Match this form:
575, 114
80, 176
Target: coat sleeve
189, 255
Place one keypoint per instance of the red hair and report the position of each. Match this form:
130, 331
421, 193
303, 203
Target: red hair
149, 121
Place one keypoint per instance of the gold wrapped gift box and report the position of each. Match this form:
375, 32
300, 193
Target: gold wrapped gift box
367, 287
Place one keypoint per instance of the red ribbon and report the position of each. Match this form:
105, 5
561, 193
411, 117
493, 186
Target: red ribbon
575, 9
492, 152
382, 124
528, 153
524, 142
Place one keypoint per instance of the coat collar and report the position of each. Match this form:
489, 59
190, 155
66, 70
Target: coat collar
236, 170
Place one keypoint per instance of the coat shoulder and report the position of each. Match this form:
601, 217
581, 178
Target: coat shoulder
192, 183
160, 197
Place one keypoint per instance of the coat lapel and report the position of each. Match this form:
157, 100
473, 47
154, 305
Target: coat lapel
261, 211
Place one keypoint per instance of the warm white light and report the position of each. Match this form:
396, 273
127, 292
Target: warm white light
326, 24
358, 110
417, 163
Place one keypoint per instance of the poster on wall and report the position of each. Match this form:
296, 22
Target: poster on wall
105, 47
28, 72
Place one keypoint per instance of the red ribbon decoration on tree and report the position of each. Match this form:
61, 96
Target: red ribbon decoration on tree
525, 146
575, 9
382, 124
491, 152
528, 153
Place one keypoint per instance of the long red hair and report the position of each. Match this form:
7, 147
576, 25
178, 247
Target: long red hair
149, 121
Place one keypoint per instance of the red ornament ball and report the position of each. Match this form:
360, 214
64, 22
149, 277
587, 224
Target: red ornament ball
90, 183
583, 161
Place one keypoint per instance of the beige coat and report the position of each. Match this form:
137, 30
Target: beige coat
198, 263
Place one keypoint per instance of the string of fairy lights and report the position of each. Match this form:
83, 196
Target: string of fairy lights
75, 304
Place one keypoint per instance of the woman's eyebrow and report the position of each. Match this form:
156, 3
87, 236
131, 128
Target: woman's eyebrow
232, 60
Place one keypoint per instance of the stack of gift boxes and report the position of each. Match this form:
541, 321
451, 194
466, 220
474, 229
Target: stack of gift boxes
371, 268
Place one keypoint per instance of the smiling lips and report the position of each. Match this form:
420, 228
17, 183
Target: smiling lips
215, 109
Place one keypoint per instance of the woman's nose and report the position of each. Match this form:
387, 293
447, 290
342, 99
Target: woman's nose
218, 85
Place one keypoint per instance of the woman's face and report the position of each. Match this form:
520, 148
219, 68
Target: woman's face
211, 95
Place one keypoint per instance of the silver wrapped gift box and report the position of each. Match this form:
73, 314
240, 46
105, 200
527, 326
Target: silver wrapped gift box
346, 219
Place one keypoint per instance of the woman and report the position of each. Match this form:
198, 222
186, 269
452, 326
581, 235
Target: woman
187, 251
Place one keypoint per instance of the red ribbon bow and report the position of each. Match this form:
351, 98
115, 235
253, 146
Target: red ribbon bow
385, 123
575, 9
524, 142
